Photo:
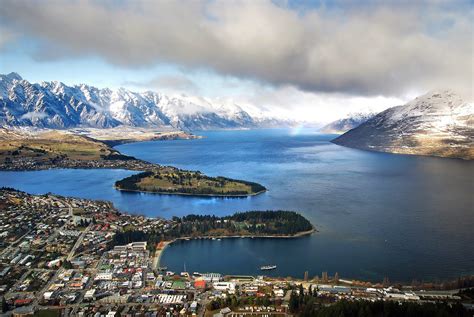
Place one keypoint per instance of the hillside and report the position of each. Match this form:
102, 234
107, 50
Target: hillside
50, 145
439, 123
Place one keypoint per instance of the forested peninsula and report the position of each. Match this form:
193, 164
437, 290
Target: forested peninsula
269, 223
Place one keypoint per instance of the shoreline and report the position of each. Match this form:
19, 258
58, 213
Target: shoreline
189, 194
117, 136
113, 143
159, 253
413, 154
68, 168
275, 236
32, 163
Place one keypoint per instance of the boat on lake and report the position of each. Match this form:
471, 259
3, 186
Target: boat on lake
268, 267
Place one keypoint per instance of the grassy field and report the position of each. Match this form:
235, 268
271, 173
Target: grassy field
177, 181
191, 180
50, 145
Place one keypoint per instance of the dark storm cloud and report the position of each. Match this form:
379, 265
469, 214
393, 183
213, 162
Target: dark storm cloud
368, 49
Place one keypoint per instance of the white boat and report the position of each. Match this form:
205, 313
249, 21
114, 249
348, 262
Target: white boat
268, 267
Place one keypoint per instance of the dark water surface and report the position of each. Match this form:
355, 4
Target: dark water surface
377, 214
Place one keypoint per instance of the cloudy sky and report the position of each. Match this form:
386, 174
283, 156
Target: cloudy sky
306, 60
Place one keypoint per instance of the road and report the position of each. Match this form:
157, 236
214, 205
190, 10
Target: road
40, 294
78, 242
14, 243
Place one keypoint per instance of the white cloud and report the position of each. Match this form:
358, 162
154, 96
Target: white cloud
7, 36
369, 49
168, 83
291, 103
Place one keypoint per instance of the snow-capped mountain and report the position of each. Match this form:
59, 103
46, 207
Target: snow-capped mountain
56, 105
439, 123
343, 125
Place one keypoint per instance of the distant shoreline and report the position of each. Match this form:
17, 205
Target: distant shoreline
185, 136
402, 151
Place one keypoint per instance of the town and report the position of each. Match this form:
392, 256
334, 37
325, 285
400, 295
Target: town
65, 256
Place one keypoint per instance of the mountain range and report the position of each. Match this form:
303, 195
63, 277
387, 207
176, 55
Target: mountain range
343, 125
58, 106
439, 123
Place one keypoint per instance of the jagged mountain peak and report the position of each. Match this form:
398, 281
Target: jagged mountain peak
11, 77
57, 105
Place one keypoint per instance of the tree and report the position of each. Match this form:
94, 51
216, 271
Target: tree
301, 295
67, 265
294, 303
4, 305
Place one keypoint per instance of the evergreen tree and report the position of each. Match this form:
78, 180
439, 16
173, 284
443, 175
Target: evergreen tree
4, 305
294, 304
301, 295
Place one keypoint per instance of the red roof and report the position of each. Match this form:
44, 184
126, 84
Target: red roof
200, 284
20, 302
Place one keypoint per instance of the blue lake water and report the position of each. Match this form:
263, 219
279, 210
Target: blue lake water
378, 214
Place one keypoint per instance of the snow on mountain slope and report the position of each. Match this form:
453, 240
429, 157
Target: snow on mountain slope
343, 125
439, 123
56, 105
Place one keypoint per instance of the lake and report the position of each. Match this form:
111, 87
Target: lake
377, 214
